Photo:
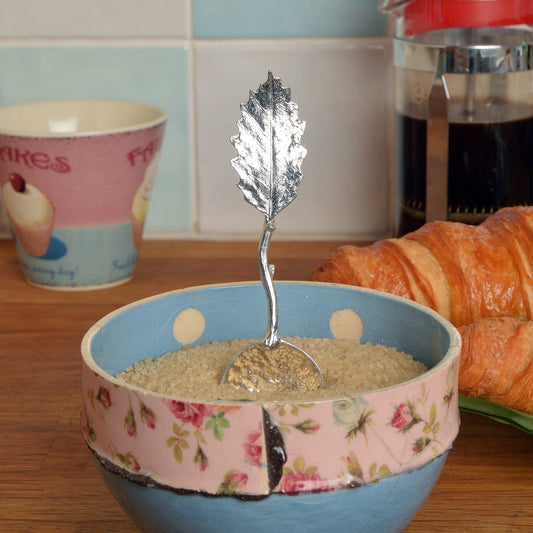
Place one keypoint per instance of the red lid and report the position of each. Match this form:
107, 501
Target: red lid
426, 15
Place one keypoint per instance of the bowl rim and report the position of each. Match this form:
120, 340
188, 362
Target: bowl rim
160, 117
450, 356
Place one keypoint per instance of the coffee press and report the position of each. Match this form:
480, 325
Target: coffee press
464, 108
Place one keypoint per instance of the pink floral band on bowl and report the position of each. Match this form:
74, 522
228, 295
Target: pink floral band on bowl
253, 449
277, 447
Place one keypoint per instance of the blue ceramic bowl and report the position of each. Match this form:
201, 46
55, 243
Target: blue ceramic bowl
364, 462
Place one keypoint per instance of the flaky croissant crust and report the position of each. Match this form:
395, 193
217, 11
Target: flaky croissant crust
478, 277
497, 361
463, 272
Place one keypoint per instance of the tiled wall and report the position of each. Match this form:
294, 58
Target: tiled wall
198, 59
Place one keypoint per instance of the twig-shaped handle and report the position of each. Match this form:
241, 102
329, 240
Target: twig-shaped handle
267, 278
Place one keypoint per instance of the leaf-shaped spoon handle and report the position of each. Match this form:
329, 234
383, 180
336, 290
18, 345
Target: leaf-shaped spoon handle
270, 156
270, 153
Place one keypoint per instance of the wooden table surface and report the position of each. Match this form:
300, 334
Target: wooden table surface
47, 478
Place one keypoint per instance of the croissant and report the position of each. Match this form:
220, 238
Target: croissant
465, 273
496, 361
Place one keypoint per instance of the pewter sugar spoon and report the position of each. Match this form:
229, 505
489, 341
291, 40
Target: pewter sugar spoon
269, 161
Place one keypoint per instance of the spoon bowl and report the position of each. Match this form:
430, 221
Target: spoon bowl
274, 364
281, 367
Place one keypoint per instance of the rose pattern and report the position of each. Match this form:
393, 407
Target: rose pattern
253, 449
147, 416
130, 424
200, 459
104, 397
357, 417
233, 483
420, 444
127, 460
193, 413
404, 417
220, 449
300, 479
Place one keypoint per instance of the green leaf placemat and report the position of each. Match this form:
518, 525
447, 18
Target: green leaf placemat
519, 419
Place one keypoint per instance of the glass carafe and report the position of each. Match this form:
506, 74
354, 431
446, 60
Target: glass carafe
464, 108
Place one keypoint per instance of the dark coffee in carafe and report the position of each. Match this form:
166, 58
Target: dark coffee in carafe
464, 108
490, 166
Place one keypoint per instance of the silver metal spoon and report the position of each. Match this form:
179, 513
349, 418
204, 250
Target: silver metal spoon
270, 155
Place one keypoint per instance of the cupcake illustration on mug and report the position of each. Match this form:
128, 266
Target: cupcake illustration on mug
139, 207
30, 213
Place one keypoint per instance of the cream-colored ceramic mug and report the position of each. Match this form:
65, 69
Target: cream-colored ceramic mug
76, 178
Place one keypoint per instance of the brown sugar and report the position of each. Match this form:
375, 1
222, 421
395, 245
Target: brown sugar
349, 368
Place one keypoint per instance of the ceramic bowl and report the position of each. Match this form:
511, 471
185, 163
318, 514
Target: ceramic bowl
363, 462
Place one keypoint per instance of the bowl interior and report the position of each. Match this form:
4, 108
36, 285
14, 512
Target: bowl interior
145, 329
77, 117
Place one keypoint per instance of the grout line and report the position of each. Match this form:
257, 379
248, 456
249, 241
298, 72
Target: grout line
190, 15
194, 180
93, 42
190, 19
193, 126
366, 42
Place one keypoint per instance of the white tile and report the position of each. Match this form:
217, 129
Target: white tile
94, 18
342, 89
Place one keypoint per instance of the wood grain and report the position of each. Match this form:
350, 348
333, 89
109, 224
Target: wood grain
47, 478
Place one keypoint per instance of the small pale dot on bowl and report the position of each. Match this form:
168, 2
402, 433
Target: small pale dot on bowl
188, 325
346, 324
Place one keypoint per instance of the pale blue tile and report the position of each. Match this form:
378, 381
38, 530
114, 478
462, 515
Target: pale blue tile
152, 74
227, 19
